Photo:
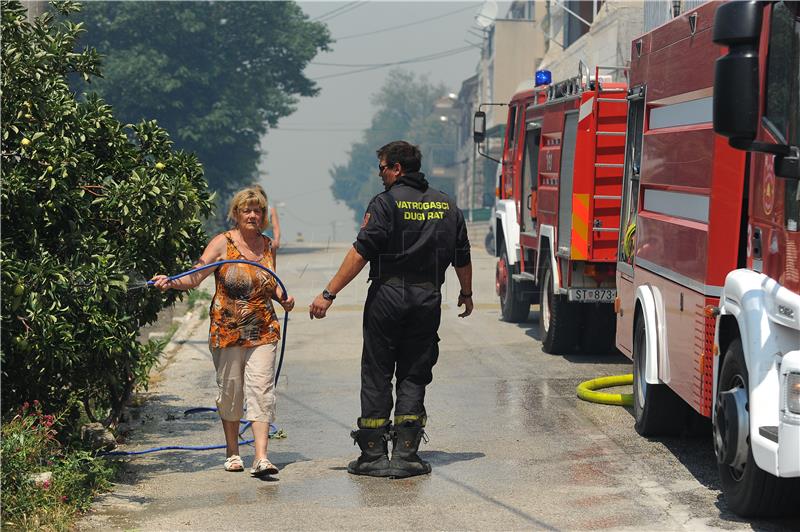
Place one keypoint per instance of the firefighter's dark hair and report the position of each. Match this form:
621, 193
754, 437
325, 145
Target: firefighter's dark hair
400, 151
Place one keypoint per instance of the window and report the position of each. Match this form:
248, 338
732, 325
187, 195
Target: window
512, 125
565, 182
783, 73
631, 177
574, 28
530, 175
783, 93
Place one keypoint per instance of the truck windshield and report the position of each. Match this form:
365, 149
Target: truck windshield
783, 72
783, 93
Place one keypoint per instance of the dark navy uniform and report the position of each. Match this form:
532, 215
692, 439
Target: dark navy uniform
410, 235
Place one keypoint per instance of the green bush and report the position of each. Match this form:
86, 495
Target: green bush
30, 446
85, 201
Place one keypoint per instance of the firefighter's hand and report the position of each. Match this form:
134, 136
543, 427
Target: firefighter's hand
467, 302
319, 307
287, 304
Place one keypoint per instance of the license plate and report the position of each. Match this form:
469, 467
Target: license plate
592, 295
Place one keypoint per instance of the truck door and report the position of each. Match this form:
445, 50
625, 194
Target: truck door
630, 181
776, 203
565, 183
626, 298
530, 177
509, 151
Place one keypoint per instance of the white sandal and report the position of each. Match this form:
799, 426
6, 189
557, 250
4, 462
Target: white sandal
262, 468
234, 464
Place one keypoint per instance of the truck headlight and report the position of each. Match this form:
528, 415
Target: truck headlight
793, 392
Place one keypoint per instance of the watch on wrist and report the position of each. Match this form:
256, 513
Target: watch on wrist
327, 295
462, 294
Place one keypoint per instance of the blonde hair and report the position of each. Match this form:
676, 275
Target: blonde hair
254, 195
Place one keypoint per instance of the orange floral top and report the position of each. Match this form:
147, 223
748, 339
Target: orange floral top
241, 312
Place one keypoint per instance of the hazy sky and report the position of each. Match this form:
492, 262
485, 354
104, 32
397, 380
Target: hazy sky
306, 145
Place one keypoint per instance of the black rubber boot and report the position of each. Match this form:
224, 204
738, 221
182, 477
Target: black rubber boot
405, 461
374, 459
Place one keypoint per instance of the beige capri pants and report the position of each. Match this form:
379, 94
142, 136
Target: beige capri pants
246, 375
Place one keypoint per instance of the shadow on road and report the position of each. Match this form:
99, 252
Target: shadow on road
531, 328
695, 451
441, 458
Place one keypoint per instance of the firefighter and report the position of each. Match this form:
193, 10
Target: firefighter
411, 233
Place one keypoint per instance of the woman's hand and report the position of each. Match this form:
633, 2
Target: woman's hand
287, 304
162, 282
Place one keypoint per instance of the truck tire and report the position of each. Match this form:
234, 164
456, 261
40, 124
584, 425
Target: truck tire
488, 242
749, 490
657, 410
559, 320
513, 308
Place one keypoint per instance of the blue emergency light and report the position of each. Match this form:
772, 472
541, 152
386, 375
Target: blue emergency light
543, 77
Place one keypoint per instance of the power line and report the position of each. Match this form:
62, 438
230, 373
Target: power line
332, 11
327, 129
392, 28
355, 6
349, 65
341, 10
317, 129
420, 59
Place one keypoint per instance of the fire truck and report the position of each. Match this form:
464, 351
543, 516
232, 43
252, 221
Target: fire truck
708, 275
557, 206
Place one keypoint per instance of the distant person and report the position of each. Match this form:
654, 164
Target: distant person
273, 228
410, 235
244, 332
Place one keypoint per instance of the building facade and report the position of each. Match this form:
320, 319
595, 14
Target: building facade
511, 48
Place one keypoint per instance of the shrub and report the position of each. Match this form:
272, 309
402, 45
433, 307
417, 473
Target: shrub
29, 446
85, 200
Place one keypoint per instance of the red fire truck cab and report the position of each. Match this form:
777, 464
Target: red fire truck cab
708, 277
557, 208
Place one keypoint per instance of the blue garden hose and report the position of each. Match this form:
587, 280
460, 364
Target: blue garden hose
246, 424
258, 265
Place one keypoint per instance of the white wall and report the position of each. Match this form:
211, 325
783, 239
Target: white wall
608, 42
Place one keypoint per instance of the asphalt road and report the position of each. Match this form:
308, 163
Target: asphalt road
511, 445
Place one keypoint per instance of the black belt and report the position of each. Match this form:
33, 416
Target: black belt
408, 278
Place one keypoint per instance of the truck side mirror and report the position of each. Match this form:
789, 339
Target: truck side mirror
736, 84
735, 113
479, 127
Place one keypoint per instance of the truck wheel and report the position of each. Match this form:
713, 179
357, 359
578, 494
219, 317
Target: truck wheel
559, 320
657, 410
488, 242
512, 308
749, 490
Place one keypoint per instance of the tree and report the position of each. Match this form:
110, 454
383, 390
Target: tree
405, 111
216, 74
85, 199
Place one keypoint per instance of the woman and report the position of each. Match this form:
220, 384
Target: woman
244, 332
